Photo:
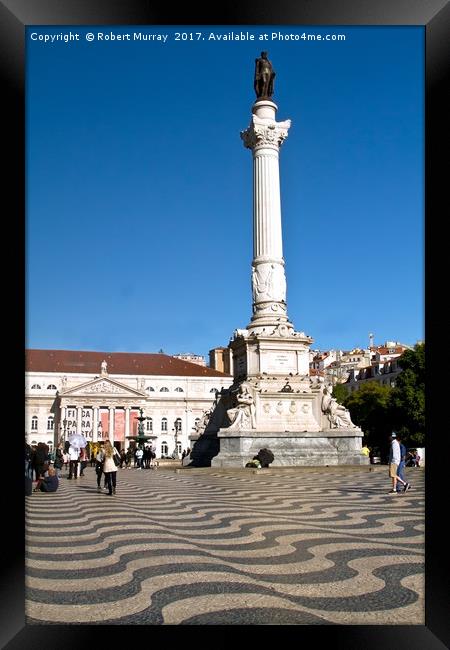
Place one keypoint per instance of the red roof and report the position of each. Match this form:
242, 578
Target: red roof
119, 363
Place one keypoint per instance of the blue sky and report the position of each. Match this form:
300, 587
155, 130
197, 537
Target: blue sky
139, 188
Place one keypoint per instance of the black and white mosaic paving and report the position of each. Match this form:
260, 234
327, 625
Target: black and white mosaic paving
289, 546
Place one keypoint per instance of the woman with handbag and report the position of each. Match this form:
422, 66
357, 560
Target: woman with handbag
110, 463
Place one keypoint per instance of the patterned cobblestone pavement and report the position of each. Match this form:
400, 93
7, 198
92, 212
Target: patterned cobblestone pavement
206, 547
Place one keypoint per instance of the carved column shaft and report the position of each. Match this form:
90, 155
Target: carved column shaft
264, 137
267, 242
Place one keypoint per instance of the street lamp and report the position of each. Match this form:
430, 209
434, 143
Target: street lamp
177, 424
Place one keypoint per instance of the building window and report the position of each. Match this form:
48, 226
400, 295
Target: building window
179, 449
150, 389
164, 424
34, 423
213, 390
164, 449
178, 425
164, 389
150, 424
178, 389
51, 387
35, 387
50, 423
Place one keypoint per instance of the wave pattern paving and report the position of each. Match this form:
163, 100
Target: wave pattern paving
208, 547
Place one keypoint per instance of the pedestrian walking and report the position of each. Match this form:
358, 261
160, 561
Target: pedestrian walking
402, 464
99, 458
74, 452
109, 467
394, 462
83, 460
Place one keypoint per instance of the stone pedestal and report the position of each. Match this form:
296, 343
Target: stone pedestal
329, 447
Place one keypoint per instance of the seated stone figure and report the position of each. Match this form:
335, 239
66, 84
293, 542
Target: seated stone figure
338, 415
243, 415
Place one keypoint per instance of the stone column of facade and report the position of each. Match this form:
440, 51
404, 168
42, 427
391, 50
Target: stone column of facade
111, 425
127, 422
264, 137
79, 417
95, 412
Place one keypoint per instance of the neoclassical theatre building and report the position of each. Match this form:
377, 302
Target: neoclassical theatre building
100, 394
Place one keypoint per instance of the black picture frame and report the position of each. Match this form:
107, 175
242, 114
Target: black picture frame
434, 15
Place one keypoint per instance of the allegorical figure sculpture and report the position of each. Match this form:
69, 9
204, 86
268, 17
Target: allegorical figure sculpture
338, 415
243, 415
264, 76
201, 425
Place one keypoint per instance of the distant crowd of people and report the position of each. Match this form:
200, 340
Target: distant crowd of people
43, 468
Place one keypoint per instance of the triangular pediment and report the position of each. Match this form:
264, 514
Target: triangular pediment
102, 386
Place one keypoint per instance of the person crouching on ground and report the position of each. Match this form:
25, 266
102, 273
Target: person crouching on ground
109, 467
47, 483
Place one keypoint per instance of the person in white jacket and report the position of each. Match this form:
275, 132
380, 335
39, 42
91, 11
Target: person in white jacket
394, 462
109, 467
74, 453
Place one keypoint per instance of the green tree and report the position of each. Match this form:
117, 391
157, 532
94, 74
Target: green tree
340, 393
370, 409
408, 396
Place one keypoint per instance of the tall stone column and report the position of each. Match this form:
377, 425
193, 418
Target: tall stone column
111, 425
79, 416
95, 411
127, 422
264, 137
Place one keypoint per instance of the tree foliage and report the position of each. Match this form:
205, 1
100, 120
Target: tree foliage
369, 408
340, 393
408, 396
379, 409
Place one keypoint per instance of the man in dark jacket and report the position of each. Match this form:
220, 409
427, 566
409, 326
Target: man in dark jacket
40, 459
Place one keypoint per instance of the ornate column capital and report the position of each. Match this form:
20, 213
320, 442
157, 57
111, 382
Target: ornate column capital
264, 133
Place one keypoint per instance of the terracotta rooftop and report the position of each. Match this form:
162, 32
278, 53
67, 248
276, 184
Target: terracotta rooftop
384, 350
119, 363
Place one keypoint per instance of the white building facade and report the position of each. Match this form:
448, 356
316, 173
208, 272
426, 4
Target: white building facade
102, 395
